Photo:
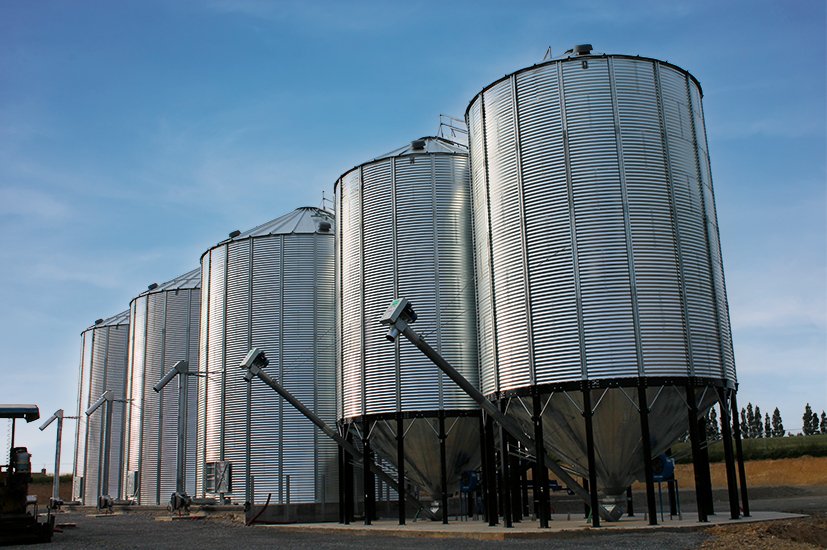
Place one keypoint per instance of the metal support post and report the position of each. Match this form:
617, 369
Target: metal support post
739, 454
505, 466
673, 501
248, 440
540, 471
368, 483
630, 502
443, 467
107, 444
349, 508
695, 442
704, 466
183, 413
729, 456
524, 510
342, 512
483, 488
491, 474
587, 413
643, 404
400, 466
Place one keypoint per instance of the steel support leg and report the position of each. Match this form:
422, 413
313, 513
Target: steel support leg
587, 413
349, 508
368, 487
400, 466
516, 474
506, 473
729, 456
695, 441
443, 468
643, 404
483, 487
739, 454
707, 475
491, 474
342, 468
630, 502
540, 470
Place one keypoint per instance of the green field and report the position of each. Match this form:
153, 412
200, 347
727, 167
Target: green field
761, 449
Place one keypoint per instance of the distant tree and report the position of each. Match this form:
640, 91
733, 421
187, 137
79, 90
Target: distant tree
744, 425
807, 420
815, 426
823, 423
767, 425
713, 429
757, 423
777, 424
750, 420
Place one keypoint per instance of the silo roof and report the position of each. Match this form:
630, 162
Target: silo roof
302, 220
432, 145
121, 318
428, 145
187, 281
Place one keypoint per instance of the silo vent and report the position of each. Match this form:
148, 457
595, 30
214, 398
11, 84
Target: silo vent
324, 227
418, 144
153, 286
98, 321
234, 234
582, 49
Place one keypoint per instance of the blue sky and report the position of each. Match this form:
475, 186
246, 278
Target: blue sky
135, 134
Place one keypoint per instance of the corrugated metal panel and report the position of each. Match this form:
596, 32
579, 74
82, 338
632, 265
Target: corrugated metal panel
164, 329
103, 366
621, 172
405, 231
279, 297
506, 237
548, 226
486, 333
657, 277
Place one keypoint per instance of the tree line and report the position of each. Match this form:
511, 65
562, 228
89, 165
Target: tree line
754, 425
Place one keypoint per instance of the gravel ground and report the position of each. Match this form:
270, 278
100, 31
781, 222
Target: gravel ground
140, 530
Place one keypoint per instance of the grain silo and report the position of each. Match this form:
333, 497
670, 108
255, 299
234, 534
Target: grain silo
271, 287
164, 329
102, 368
405, 229
599, 271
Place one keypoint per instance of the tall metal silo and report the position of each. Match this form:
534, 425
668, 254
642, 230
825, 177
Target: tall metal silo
164, 329
599, 272
405, 229
271, 287
102, 368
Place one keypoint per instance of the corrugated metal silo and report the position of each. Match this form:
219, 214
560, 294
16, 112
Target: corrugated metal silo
102, 367
164, 329
597, 254
405, 230
271, 287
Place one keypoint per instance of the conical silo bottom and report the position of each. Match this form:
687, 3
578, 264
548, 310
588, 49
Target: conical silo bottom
617, 435
422, 455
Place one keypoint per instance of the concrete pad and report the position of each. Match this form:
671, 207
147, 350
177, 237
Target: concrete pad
478, 530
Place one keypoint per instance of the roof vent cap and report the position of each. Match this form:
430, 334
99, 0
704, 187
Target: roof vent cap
98, 321
418, 144
324, 227
153, 286
582, 49
234, 234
